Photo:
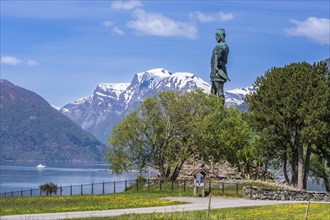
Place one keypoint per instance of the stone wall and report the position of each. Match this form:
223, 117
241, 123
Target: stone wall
255, 193
219, 171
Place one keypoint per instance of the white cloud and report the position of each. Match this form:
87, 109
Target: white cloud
31, 62
118, 31
201, 17
160, 25
108, 24
126, 5
316, 29
9, 60
222, 16
115, 29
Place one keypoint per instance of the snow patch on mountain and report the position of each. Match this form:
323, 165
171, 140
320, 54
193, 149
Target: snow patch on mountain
236, 97
110, 102
153, 76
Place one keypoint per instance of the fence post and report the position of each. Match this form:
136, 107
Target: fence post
81, 189
209, 187
103, 187
223, 188
236, 189
209, 206
71, 190
92, 188
184, 185
114, 186
160, 185
125, 184
307, 209
31, 192
21, 192
61, 189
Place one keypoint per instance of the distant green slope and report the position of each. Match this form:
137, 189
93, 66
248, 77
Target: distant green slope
32, 130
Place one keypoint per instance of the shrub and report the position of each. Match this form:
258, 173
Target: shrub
49, 188
140, 179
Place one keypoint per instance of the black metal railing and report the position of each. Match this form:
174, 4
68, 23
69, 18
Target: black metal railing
182, 186
80, 189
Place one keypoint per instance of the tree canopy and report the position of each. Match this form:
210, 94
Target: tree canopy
290, 110
287, 124
171, 127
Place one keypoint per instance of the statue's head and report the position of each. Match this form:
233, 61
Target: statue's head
220, 35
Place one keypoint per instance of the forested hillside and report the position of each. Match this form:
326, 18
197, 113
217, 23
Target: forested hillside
32, 130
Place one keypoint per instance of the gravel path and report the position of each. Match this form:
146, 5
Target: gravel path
195, 204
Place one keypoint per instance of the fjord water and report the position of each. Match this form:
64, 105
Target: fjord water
23, 176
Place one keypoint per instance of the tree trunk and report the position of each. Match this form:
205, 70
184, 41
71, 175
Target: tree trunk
212, 164
325, 176
247, 170
326, 183
307, 160
285, 163
167, 172
175, 173
163, 170
265, 169
177, 170
294, 178
300, 167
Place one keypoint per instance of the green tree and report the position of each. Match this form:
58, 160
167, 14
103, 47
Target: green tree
164, 132
320, 170
233, 137
290, 111
168, 129
238, 144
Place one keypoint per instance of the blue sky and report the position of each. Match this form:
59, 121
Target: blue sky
63, 49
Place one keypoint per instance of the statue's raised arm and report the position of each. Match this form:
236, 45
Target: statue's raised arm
218, 64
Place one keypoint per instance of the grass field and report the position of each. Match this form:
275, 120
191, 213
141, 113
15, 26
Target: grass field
132, 198
218, 189
147, 197
317, 211
43, 204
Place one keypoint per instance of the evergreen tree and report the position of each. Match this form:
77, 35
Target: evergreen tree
290, 111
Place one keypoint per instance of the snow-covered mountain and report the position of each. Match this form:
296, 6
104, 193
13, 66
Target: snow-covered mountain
110, 102
236, 96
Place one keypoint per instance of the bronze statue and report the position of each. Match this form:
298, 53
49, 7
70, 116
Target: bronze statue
218, 64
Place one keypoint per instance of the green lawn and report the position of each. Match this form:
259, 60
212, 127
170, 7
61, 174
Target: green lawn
134, 197
43, 204
293, 212
217, 189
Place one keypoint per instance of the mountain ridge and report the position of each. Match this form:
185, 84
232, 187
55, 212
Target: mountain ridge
99, 112
32, 130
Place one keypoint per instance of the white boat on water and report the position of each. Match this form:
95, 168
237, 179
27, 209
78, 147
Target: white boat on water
41, 166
